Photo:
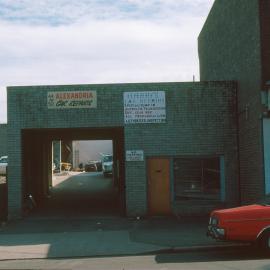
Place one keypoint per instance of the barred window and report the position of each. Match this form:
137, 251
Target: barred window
197, 178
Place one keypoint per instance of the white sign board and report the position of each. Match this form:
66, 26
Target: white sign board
72, 99
134, 155
144, 107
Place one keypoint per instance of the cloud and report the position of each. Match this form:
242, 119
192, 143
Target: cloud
97, 47
68, 12
85, 48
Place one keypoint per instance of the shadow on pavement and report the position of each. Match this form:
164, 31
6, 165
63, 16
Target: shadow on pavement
82, 218
84, 194
172, 232
225, 254
103, 236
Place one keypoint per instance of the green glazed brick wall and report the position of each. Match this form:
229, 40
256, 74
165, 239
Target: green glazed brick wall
3, 139
201, 120
230, 49
265, 40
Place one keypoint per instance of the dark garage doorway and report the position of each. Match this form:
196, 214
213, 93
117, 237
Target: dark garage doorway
74, 196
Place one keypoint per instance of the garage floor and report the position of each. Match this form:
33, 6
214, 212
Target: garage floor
80, 195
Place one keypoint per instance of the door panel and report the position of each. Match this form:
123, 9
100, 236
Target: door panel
159, 186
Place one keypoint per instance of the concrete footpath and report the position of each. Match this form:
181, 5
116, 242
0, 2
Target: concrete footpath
102, 236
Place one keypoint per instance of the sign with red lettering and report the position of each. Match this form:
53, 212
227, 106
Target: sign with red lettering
72, 99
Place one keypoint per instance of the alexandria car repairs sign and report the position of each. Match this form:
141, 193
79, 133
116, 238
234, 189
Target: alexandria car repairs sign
72, 99
144, 107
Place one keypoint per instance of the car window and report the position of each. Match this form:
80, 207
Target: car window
3, 160
107, 159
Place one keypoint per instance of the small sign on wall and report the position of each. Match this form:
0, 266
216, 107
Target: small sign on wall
134, 155
72, 99
144, 107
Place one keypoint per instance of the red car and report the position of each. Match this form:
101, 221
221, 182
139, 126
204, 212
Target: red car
246, 223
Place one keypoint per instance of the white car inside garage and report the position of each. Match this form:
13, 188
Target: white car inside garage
3, 165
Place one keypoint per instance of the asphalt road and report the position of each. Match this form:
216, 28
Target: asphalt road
241, 258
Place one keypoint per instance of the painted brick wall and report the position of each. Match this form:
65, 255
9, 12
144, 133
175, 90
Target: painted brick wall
201, 120
3, 139
229, 49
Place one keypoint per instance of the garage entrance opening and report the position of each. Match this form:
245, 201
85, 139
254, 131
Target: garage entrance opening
73, 172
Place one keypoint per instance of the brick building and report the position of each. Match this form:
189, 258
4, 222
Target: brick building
180, 148
234, 44
175, 143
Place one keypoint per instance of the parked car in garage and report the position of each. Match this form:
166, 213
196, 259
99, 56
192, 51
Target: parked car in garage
90, 166
107, 164
249, 223
99, 165
3, 165
93, 166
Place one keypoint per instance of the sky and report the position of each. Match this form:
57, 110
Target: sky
56, 42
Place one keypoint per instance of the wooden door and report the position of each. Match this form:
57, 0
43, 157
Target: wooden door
159, 186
